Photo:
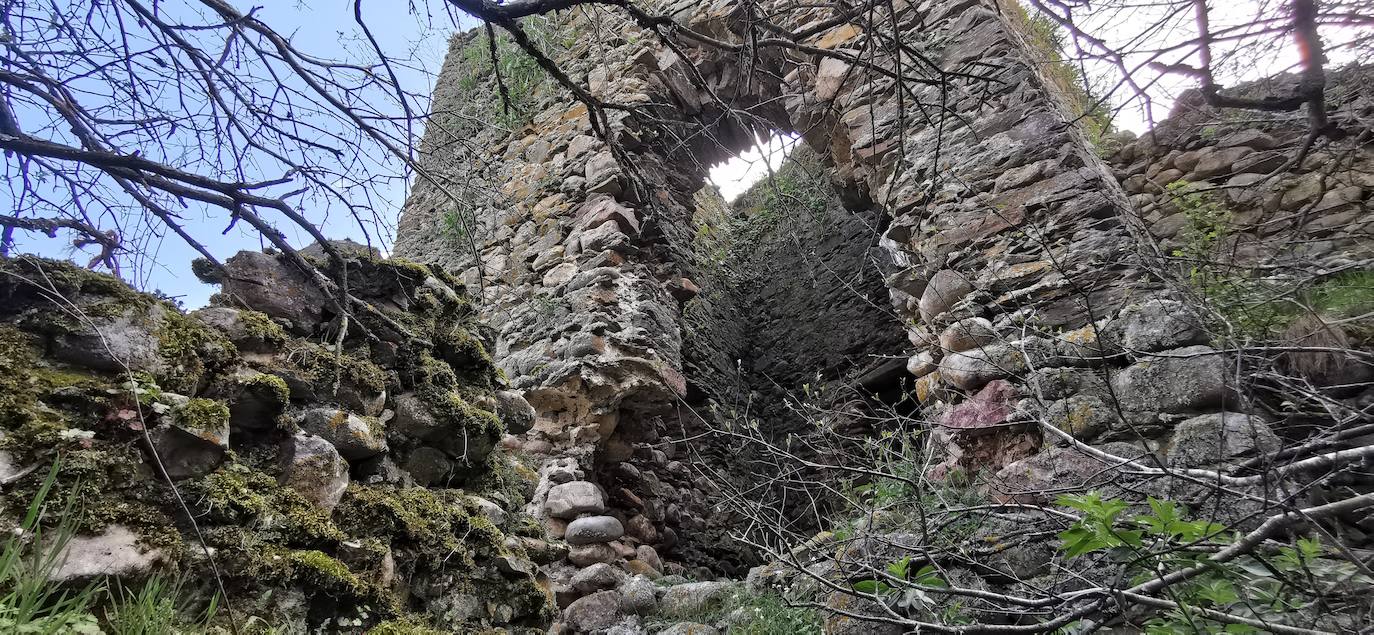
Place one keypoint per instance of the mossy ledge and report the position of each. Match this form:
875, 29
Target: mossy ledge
283, 512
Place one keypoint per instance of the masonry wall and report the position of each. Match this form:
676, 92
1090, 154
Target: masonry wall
1009, 246
587, 256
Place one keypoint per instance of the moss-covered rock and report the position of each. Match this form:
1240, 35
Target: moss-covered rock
431, 521
251, 331
193, 438
240, 495
256, 400
316, 373
192, 353
233, 374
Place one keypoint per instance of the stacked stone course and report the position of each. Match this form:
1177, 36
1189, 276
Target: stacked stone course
1026, 269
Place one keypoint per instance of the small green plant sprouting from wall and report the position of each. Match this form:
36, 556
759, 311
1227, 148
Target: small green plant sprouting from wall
455, 224
1048, 39
524, 79
1279, 585
1232, 292
1257, 307
1208, 222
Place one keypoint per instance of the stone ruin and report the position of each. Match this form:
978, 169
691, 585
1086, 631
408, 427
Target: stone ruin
983, 265
1032, 271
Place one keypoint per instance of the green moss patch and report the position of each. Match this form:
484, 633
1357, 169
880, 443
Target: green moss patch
404, 626
241, 495
321, 365
460, 417
192, 352
431, 521
514, 481
28, 280
258, 326
203, 417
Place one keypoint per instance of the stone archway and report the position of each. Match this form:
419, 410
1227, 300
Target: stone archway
991, 200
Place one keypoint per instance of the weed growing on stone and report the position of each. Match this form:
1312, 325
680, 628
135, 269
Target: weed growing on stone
522, 76
1256, 307
770, 614
454, 225
32, 602
1048, 40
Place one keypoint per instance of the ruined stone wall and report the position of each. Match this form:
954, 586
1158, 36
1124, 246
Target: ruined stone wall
796, 296
586, 257
1309, 217
1024, 278
344, 474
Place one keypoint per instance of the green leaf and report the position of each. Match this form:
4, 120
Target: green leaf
929, 576
899, 568
1218, 592
1079, 540
1129, 537
873, 587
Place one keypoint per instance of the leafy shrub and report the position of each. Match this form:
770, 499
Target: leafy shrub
1267, 585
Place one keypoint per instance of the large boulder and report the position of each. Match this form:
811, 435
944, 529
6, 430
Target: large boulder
945, 289
597, 577
968, 333
1219, 437
989, 409
516, 413
595, 612
256, 400
588, 555
1155, 325
428, 466
250, 331
695, 597
316, 373
972, 369
593, 529
193, 439
312, 467
353, 436
116, 552
1038, 478
1082, 416
637, 596
1179, 380
124, 341
447, 421
571, 500
268, 284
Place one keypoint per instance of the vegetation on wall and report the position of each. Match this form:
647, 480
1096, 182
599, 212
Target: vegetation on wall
1050, 43
1255, 305
524, 80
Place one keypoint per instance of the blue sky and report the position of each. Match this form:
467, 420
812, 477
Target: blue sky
324, 28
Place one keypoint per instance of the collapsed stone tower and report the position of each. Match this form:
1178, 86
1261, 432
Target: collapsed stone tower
961, 204
590, 254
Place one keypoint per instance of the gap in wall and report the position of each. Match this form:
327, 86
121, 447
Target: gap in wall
739, 173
